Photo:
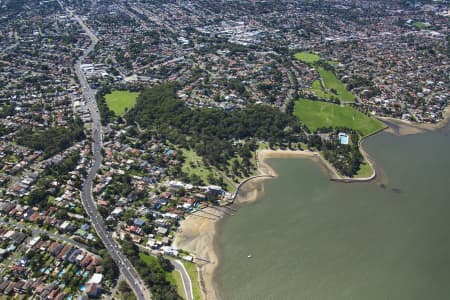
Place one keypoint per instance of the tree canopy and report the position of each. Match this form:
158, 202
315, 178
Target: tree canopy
209, 131
52, 140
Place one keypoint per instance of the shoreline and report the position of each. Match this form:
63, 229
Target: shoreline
196, 235
265, 169
197, 232
250, 188
403, 127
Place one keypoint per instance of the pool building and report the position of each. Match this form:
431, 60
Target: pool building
343, 138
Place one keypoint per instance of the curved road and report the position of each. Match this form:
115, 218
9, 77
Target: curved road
126, 268
180, 268
187, 283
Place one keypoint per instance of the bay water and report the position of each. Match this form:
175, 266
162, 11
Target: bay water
311, 238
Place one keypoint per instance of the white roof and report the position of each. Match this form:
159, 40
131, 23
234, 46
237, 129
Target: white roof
96, 278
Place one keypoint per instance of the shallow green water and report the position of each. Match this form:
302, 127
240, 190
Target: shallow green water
314, 239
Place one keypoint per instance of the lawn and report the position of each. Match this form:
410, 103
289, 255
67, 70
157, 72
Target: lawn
191, 268
316, 114
307, 57
193, 164
51, 199
119, 101
174, 277
328, 77
152, 263
421, 25
317, 89
148, 259
331, 82
333, 63
179, 283
364, 171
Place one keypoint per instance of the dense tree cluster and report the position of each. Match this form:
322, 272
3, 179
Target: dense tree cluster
105, 113
125, 291
111, 270
315, 141
359, 82
61, 171
346, 159
4, 130
53, 140
7, 109
210, 131
152, 274
58, 172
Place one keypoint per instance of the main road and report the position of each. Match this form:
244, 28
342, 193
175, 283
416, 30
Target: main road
126, 268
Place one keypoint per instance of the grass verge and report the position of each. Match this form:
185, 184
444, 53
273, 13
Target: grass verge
178, 283
191, 268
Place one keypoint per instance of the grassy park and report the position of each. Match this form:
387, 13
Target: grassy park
317, 114
332, 86
173, 277
332, 82
333, 63
317, 88
307, 57
421, 25
119, 101
152, 263
194, 165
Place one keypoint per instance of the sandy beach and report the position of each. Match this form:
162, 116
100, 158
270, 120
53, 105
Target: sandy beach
264, 168
196, 233
263, 155
249, 190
